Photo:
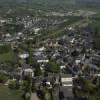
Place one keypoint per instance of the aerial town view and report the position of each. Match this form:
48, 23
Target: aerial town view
49, 49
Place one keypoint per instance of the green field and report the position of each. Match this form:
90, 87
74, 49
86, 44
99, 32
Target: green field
96, 24
9, 56
6, 54
7, 94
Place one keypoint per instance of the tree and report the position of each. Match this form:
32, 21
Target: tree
61, 95
27, 85
75, 53
37, 71
51, 93
52, 67
14, 85
3, 78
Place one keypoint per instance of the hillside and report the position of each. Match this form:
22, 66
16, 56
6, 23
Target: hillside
45, 4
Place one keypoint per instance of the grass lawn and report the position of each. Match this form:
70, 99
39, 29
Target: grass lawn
6, 54
9, 56
7, 94
96, 24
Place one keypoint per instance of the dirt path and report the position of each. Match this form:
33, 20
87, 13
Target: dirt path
34, 97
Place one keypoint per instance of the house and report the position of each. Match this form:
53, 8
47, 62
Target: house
66, 88
42, 61
19, 33
28, 72
66, 80
36, 30
24, 55
62, 67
